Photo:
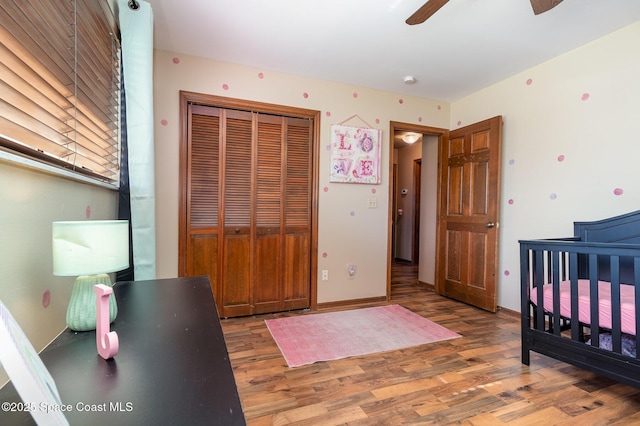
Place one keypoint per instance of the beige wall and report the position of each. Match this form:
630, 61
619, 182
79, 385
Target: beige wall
30, 201
570, 140
349, 232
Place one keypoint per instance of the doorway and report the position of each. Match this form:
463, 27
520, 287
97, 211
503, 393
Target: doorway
466, 238
414, 194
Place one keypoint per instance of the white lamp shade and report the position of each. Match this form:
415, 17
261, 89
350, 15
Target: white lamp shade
90, 247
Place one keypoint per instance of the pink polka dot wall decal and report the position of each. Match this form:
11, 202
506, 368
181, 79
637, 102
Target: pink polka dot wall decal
439, 107
560, 158
325, 254
46, 299
328, 113
511, 201
529, 81
260, 75
400, 101
373, 190
459, 122
164, 122
618, 191
176, 60
377, 121
419, 119
305, 95
87, 212
507, 273
225, 86
585, 96
326, 189
553, 196
355, 95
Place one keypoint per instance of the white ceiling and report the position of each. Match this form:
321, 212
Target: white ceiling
467, 45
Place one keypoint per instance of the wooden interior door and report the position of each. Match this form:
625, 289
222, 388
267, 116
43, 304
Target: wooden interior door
200, 222
469, 214
298, 233
247, 194
282, 242
235, 204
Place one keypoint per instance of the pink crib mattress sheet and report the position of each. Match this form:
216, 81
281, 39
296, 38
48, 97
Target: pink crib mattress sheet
627, 303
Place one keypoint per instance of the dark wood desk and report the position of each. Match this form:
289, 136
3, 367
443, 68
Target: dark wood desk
172, 367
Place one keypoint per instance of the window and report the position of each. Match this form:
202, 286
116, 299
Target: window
60, 85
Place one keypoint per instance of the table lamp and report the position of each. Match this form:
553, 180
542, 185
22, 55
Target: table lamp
89, 250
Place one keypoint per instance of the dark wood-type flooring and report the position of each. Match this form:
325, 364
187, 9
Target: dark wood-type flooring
474, 380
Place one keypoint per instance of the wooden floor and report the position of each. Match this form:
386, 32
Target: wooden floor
474, 380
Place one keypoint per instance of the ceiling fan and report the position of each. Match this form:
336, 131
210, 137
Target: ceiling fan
432, 6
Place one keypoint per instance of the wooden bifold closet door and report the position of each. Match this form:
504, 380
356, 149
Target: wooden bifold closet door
248, 208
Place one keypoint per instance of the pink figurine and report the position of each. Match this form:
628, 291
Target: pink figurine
106, 341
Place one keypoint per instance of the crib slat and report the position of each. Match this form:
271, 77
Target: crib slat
615, 304
538, 283
556, 291
573, 278
594, 307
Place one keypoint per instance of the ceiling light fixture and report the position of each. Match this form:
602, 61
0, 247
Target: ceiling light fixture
409, 79
411, 138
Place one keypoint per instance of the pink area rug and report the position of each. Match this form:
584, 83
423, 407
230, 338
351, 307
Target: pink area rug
305, 339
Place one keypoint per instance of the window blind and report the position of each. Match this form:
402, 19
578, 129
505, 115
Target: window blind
60, 84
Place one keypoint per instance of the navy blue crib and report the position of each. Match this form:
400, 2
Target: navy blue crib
589, 315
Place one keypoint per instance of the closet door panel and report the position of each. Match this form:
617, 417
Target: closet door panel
203, 187
236, 276
297, 215
297, 271
269, 173
267, 272
236, 293
237, 171
298, 168
204, 169
204, 258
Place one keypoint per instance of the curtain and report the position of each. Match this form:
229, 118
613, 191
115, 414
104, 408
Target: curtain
124, 192
136, 27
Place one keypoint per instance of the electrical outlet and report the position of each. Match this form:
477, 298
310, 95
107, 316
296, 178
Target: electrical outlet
325, 275
372, 203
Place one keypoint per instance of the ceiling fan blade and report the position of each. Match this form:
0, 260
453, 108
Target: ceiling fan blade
425, 12
541, 6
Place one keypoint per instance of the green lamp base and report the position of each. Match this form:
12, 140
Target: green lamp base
81, 313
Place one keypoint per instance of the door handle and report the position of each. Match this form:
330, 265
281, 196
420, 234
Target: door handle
490, 224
